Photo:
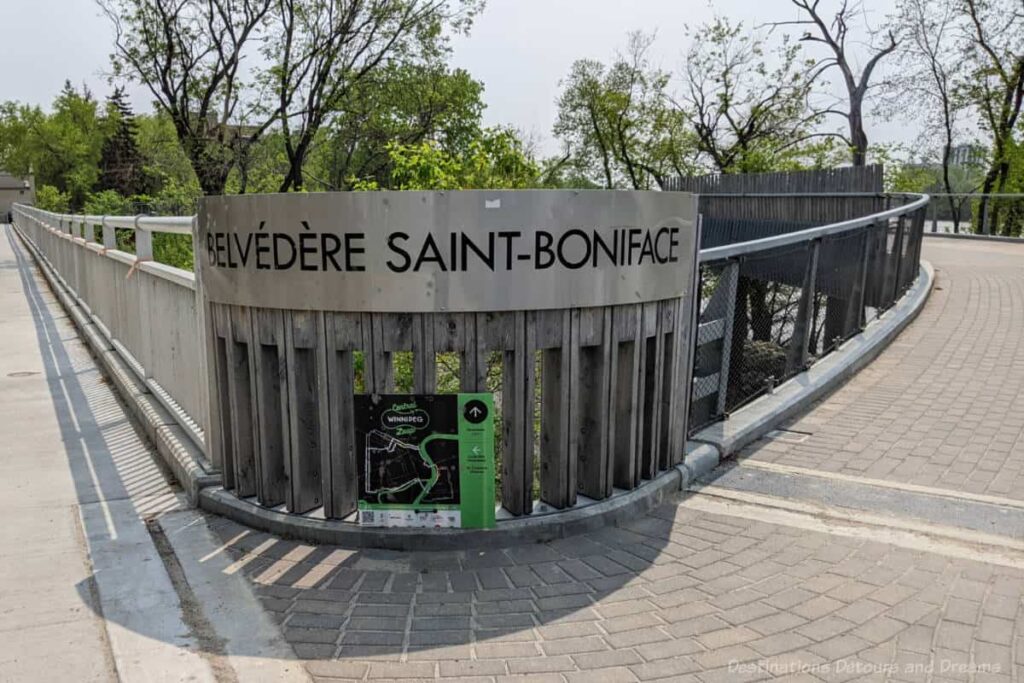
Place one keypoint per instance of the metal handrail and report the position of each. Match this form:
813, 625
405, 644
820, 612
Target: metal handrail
182, 225
741, 248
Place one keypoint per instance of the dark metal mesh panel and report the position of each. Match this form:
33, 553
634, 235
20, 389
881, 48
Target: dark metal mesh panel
838, 300
767, 306
717, 293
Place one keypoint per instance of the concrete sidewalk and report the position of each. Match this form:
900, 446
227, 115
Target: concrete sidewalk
87, 593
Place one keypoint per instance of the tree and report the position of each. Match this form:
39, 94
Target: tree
994, 37
617, 125
497, 159
748, 116
325, 48
404, 103
929, 82
121, 162
62, 149
190, 55
834, 36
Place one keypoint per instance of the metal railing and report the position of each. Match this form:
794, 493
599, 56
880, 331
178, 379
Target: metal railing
769, 308
975, 213
146, 310
773, 306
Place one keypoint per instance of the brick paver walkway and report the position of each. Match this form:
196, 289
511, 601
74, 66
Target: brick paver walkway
943, 406
680, 595
686, 594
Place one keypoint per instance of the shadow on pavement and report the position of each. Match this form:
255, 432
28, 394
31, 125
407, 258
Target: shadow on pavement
332, 601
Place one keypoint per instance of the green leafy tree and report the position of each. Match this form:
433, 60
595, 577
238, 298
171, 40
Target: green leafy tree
749, 101
61, 148
122, 166
401, 103
498, 159
322, 50
49, 198
617, 125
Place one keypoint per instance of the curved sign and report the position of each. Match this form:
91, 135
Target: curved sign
473, 250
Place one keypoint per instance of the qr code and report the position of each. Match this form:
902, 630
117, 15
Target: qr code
368, 517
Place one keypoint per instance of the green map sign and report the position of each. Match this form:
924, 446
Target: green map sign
425, 460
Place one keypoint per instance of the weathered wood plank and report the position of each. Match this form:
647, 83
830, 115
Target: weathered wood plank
594, 468
303, 331
225, 444
271, 406
552, 332
517, 417
625, 393
424, 380
242, 391
340, 473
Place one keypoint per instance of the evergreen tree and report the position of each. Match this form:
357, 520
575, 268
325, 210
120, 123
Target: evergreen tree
121, 162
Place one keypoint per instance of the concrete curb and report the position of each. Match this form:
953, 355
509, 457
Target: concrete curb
790, 398
980, 238
536, 529
250, 640
178, 451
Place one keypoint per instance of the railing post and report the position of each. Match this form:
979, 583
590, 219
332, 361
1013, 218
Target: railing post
109, 234
898, 251
800, 341
143, 243
144, 252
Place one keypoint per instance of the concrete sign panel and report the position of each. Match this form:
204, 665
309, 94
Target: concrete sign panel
473, 250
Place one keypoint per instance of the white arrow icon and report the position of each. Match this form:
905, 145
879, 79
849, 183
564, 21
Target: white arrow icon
475, 412
476, 450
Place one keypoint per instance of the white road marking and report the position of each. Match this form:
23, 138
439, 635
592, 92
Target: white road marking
881, 483
903, 533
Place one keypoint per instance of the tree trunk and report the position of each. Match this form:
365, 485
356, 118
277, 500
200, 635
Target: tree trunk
858, 138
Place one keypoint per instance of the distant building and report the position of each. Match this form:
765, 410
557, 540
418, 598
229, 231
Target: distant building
967, 155
15, 190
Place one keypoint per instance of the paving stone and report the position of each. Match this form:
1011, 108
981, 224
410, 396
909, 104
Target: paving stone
389, 670
311, 635
610, 675
670, 667
541, 664
604, 660
335, 669
505, 650
572, 646
466, 667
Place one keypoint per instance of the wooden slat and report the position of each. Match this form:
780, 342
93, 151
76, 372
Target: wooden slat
271, 406
517, 417
666, 418
343, 336
424, 378
552, 333
304, 353
242, 392
624, 387
222, 394
651, 369
594, 464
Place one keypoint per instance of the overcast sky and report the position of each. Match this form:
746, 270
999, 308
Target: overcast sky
520, 49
